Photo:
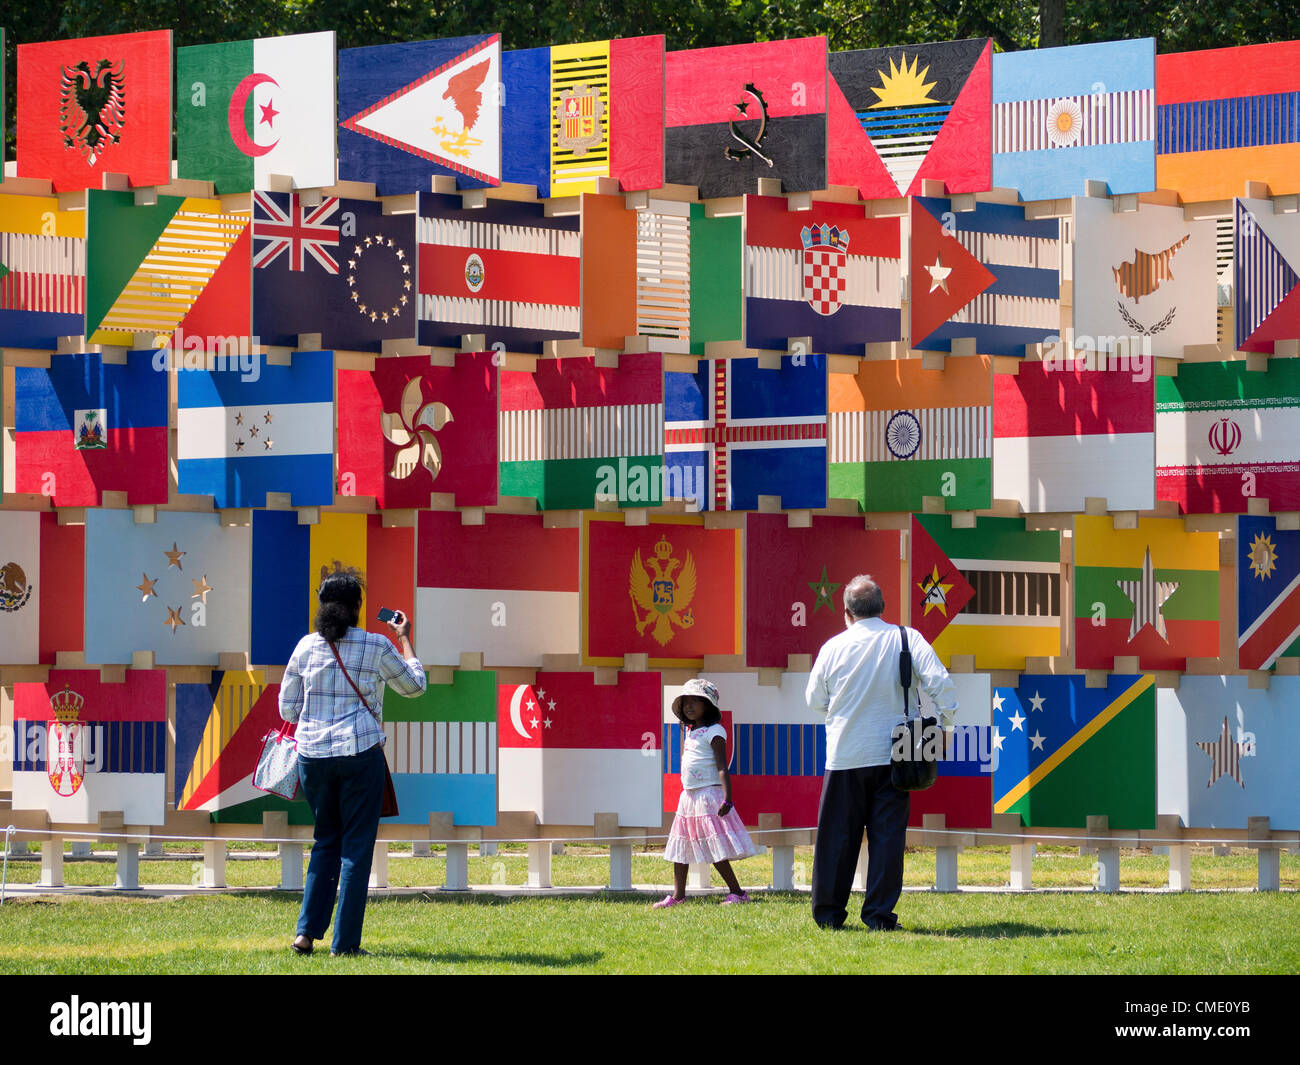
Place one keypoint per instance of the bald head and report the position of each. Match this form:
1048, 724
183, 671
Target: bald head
863, 597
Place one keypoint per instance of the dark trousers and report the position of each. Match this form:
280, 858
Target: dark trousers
345, 796
853, 800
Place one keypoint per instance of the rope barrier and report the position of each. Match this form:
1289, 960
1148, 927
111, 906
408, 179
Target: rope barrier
4, 874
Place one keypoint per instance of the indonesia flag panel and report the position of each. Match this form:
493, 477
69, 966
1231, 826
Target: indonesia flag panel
1268, 592
1062, 434
242, 435
83, 747
83, 427
42, 272
442, 750
571, 432
1225, 436
507, 588
21, 587
1227, 752
830, 274
800, 574
571, 748
670, 589
1265, 282
506, 270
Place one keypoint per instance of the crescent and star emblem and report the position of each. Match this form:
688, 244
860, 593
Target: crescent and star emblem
235, 116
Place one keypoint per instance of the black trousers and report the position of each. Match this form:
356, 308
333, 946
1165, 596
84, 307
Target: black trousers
854, 800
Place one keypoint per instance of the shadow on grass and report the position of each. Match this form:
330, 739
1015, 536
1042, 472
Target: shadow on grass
997, 930
461, 957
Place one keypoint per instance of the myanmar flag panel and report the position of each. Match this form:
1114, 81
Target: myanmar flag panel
1068, 751
1268, 592
83, 427
1152, 592
42, 272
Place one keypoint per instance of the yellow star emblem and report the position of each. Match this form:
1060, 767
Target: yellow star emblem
934, 593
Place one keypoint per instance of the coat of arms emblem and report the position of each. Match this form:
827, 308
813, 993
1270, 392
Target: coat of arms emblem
65, 760
578, 117
92, 107
666, 596
825, 267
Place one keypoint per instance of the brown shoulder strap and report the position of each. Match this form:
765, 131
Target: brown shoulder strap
350, 680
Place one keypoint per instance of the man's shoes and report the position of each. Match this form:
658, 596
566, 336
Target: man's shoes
358, 951
878, 927
666, 901
301, 945
734, 899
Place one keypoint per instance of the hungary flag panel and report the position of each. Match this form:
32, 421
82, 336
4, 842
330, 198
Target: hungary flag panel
442, 750
830, 274
83, 427
572, 432
507, 588
1062, 434
1225, 435
250, 109
242, 435
505, 270
1268, 592
800, 575
899, 433
1015, 612
83, 747
1152, 591
1067, 751
1265, 284
42, 272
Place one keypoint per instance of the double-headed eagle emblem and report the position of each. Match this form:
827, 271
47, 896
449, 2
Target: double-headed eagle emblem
665, 598
92, 107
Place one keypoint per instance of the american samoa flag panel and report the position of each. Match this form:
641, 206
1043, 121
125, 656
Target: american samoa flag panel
831, 274
735, 431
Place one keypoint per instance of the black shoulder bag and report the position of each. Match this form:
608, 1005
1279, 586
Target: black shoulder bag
912, 764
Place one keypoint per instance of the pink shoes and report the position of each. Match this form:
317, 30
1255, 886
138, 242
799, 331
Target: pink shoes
734, 899
666, 901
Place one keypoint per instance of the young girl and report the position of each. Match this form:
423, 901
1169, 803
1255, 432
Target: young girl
706, 827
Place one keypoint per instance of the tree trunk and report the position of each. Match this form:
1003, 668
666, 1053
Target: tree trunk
1051, 23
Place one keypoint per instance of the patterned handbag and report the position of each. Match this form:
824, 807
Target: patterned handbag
277, 765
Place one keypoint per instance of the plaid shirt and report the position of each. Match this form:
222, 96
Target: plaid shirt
332, 723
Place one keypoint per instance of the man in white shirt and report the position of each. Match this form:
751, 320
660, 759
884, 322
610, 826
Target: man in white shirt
855, 683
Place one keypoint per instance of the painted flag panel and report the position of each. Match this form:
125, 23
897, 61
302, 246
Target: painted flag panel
1227, 116
250, 109
741, 112
83, 427
219, 730
735, 431
831, 274
83, 747
963, 792
62, 581
572, 431
1225, 435
609, 271
1063, 432
1268, 592
343, 269
242, 435
906, 114
413, 111
1147, 278
526, 120
1227, 752
991, 274
507, 588
1015, 612
42, 272
898, 433
800, 573
571, 748
21, 587
442, 750
683, 587
95, 106
937, 591
1152, 592
177, 587
1265, 285
1067, 751
505, 270
1064, 116
408, 428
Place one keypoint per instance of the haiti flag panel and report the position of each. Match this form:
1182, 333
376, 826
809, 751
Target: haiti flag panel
83, 747
240, 436
1268, 592
800, 572
1227, 116
1063, 116
408, 428
747, 111
1225, 435
830, 274
899, 116
1152, 592
83, 427
95, 106
249, 109
42, 272
1062, 746
1265, 284
683, 583
735, 431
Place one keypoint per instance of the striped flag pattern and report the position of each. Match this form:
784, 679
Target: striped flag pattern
1264, 283
663, 275
42, 274
1103, 117
1268, 592
441, 746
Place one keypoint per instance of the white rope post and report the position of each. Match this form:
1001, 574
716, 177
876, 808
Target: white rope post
52, 863
605, 828
214, 863
4, 875
291, 866
379, 866
1270, 854
539, 864
126, 876
1106, 876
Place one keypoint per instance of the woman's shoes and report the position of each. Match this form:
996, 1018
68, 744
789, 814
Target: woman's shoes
353, 951
666, 901
733, 899
301, 945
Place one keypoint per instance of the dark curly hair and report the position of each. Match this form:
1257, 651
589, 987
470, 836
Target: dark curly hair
340, 603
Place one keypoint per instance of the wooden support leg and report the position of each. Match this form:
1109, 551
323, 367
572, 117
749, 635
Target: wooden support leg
945, 868
17, 846
620, 867
153, 848
52, 863
214, 863
80, 849
1180, 867
1022, 867
456, 877
1270, 855
379, 866
487, 850
783, 867
421, 849
860, 876
698, 876
291, 866
127, 876
539, 865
